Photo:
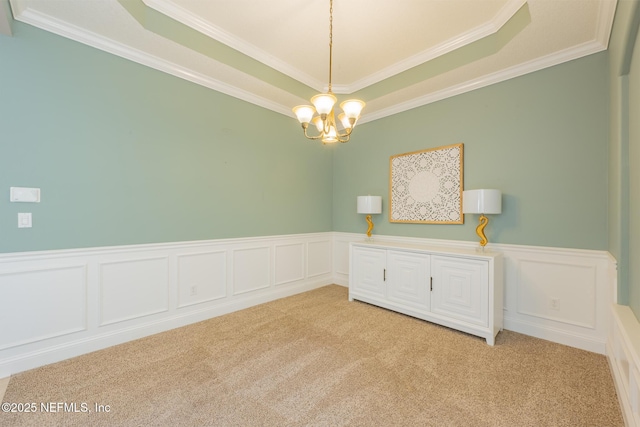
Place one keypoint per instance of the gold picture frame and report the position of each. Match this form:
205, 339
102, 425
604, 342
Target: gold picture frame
425, 187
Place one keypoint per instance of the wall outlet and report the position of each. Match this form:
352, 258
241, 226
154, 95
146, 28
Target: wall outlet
193, 290
554, 304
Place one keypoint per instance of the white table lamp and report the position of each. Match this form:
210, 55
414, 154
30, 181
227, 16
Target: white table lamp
482, 202
369, 205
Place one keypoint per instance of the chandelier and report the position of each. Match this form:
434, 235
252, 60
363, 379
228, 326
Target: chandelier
323, 104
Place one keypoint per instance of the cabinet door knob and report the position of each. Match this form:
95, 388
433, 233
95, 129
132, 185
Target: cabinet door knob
384, 274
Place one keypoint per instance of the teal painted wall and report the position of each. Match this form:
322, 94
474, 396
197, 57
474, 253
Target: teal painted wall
125, 154
541, 138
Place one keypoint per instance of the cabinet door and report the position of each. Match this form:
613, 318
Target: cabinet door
408, 279
461, 289
368, 271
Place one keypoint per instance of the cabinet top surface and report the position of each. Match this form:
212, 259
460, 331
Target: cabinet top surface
431, 249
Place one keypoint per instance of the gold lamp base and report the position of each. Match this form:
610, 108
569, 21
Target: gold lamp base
368, 218
480, 230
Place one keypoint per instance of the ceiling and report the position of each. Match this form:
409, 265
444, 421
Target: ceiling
394, 55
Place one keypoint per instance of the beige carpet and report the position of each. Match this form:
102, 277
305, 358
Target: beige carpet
316, 359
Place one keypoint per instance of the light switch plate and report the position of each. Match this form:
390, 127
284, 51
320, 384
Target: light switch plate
24, 194
24, 220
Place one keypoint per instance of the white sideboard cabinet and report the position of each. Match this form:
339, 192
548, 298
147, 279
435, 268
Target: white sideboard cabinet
460, 289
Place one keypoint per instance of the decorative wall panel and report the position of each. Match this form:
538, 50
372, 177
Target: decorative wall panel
251, 269
133, 288
341, 258
289, 263
41, 304
319, 258
202, 277
562, 292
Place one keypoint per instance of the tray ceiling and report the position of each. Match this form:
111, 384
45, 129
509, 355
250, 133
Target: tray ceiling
393, 55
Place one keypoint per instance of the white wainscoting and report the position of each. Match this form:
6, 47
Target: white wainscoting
561, 295
623, 352
59, 304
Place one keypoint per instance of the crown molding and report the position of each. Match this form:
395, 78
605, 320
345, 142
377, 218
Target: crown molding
186, 17
81, 35
170, 9
606, 14
473, 35
64, 29
557, 58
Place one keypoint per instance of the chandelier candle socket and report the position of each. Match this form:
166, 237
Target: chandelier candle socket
369, 205
323, 104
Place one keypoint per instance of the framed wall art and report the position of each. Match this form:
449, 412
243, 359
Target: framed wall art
426, 186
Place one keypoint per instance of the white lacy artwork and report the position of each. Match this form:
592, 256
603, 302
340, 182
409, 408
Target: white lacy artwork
426, 186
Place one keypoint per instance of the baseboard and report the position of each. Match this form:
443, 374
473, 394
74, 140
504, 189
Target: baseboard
557, 335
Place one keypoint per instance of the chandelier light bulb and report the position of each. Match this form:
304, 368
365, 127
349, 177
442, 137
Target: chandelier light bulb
344, 120
331, 136
317, 120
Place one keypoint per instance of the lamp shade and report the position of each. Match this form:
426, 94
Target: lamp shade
324, 102
304, 113
369, 204
352, 108
482, 201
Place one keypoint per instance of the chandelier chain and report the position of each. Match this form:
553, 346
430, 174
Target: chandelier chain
330, 40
